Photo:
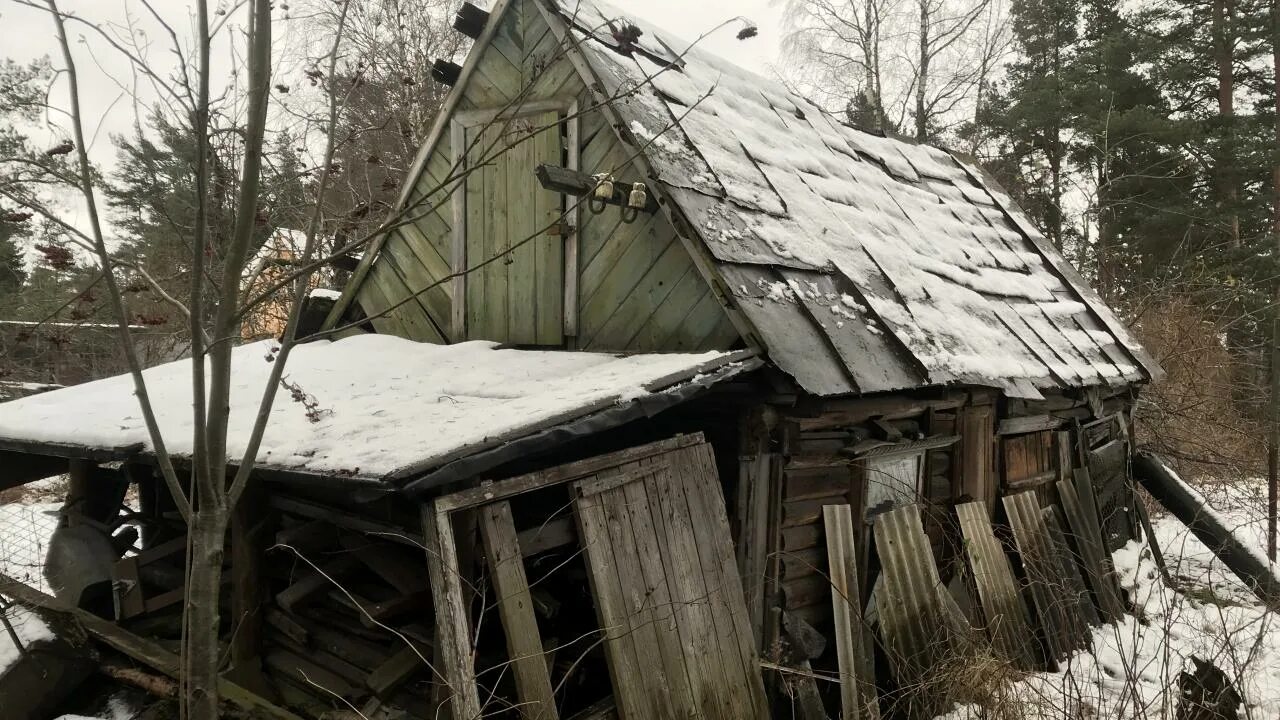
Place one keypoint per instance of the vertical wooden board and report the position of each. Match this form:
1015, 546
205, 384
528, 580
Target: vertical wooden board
1007, 624
606, 590
515, 605
706, 502
451, 617
476, 279
711, 685
857, 687
756, 474
977, 438
637, 597
1088, 538
549, 249
496, 241
633, 498
522, 295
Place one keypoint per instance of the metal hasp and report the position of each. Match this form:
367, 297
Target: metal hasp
1173, 493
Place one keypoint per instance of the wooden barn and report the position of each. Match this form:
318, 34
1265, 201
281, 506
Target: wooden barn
701, 403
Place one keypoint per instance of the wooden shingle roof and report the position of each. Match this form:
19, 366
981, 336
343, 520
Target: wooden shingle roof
862, 263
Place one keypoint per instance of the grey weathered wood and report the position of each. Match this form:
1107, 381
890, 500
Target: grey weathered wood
1007, 624
515, 605
756, 475
451, 616
1087, 534
314, 582
392, 673
706, 639
857, 686
1029, 424
511, 487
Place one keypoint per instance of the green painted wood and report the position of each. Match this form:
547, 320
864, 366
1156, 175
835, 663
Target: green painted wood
411, 314
548, 249
684, 295
652, 288
518, 297
415, 276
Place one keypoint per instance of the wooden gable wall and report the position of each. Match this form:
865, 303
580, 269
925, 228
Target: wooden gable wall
637, 287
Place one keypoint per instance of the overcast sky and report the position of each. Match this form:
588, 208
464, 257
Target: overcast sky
109, 85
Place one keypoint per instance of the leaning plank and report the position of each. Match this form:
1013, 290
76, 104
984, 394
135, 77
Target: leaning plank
857, 686
1002, 604
515, 605
1042, 570
1087, 534
140, 649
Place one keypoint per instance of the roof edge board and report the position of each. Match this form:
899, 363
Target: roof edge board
478, 459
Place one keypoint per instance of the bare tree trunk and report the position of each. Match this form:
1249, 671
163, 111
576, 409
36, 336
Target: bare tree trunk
1224, 58
1273, 486
207, 534
922, 74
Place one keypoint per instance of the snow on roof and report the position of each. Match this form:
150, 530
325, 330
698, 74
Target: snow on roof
366, 406
842, 245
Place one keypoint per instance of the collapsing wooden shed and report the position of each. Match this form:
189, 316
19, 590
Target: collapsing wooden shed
700, 402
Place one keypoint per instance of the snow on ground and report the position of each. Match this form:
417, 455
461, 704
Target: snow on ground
1132, 672
24, 535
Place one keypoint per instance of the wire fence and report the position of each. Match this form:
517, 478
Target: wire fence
26, 523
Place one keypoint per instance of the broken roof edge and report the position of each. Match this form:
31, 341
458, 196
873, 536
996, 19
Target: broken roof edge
417, 482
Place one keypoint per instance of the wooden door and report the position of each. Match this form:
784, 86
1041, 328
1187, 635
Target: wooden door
517, 298
657, 543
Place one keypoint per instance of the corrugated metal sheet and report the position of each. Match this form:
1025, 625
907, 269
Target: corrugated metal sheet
864, 263
1044, 575
1007, 624
921, 629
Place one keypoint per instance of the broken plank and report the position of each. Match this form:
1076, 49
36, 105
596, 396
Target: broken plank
1087, 534
392, 673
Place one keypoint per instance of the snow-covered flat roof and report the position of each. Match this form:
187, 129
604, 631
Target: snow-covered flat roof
865, 263
365, 407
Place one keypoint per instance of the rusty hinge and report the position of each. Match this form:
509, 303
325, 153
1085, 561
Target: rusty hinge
560, 229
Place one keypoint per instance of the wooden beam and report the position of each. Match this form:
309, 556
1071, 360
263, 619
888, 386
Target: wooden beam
857, 685
515, 605
1188, 506
580, 184
20, 468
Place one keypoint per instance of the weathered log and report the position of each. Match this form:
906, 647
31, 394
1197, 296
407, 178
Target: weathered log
1190, 507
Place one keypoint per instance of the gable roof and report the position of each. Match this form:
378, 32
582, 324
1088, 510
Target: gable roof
861, 263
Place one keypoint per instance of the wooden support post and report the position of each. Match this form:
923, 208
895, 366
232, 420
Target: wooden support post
453, 627
515, 605
758, 471
248, 525
857, 686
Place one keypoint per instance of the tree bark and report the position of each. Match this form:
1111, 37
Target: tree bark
207, 534
922, 75
1273, 486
